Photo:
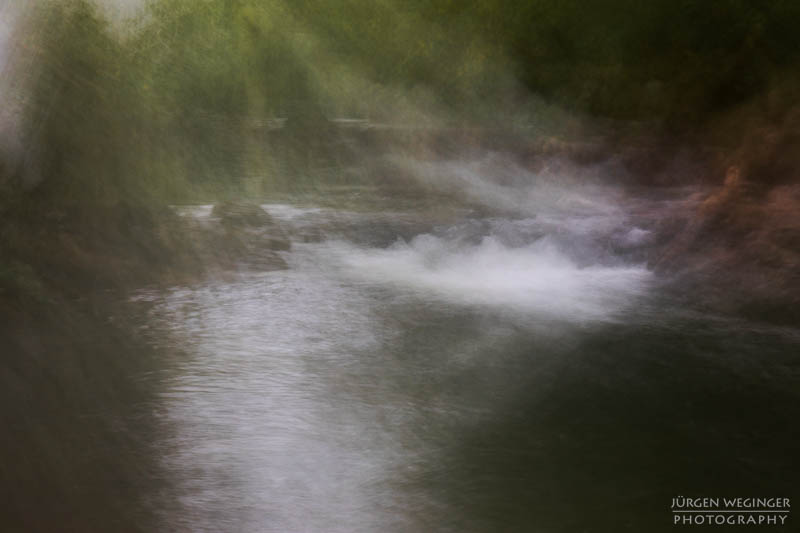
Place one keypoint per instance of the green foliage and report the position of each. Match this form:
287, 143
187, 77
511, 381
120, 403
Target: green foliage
680, 60
175, 103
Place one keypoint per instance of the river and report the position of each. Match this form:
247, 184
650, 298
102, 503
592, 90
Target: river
434, 366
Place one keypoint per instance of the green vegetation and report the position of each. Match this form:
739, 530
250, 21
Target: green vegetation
681, 60
176, 102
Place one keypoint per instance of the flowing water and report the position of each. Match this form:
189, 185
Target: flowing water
437, 367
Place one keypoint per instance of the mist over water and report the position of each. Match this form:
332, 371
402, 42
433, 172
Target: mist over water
552, 260
499, 182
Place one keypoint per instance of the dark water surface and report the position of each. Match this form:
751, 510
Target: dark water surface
436, 369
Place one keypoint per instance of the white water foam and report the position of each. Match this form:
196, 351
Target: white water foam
536, 279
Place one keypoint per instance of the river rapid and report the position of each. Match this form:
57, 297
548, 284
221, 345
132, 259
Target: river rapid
505, 362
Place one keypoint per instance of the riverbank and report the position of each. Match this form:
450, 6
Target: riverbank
75, 450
